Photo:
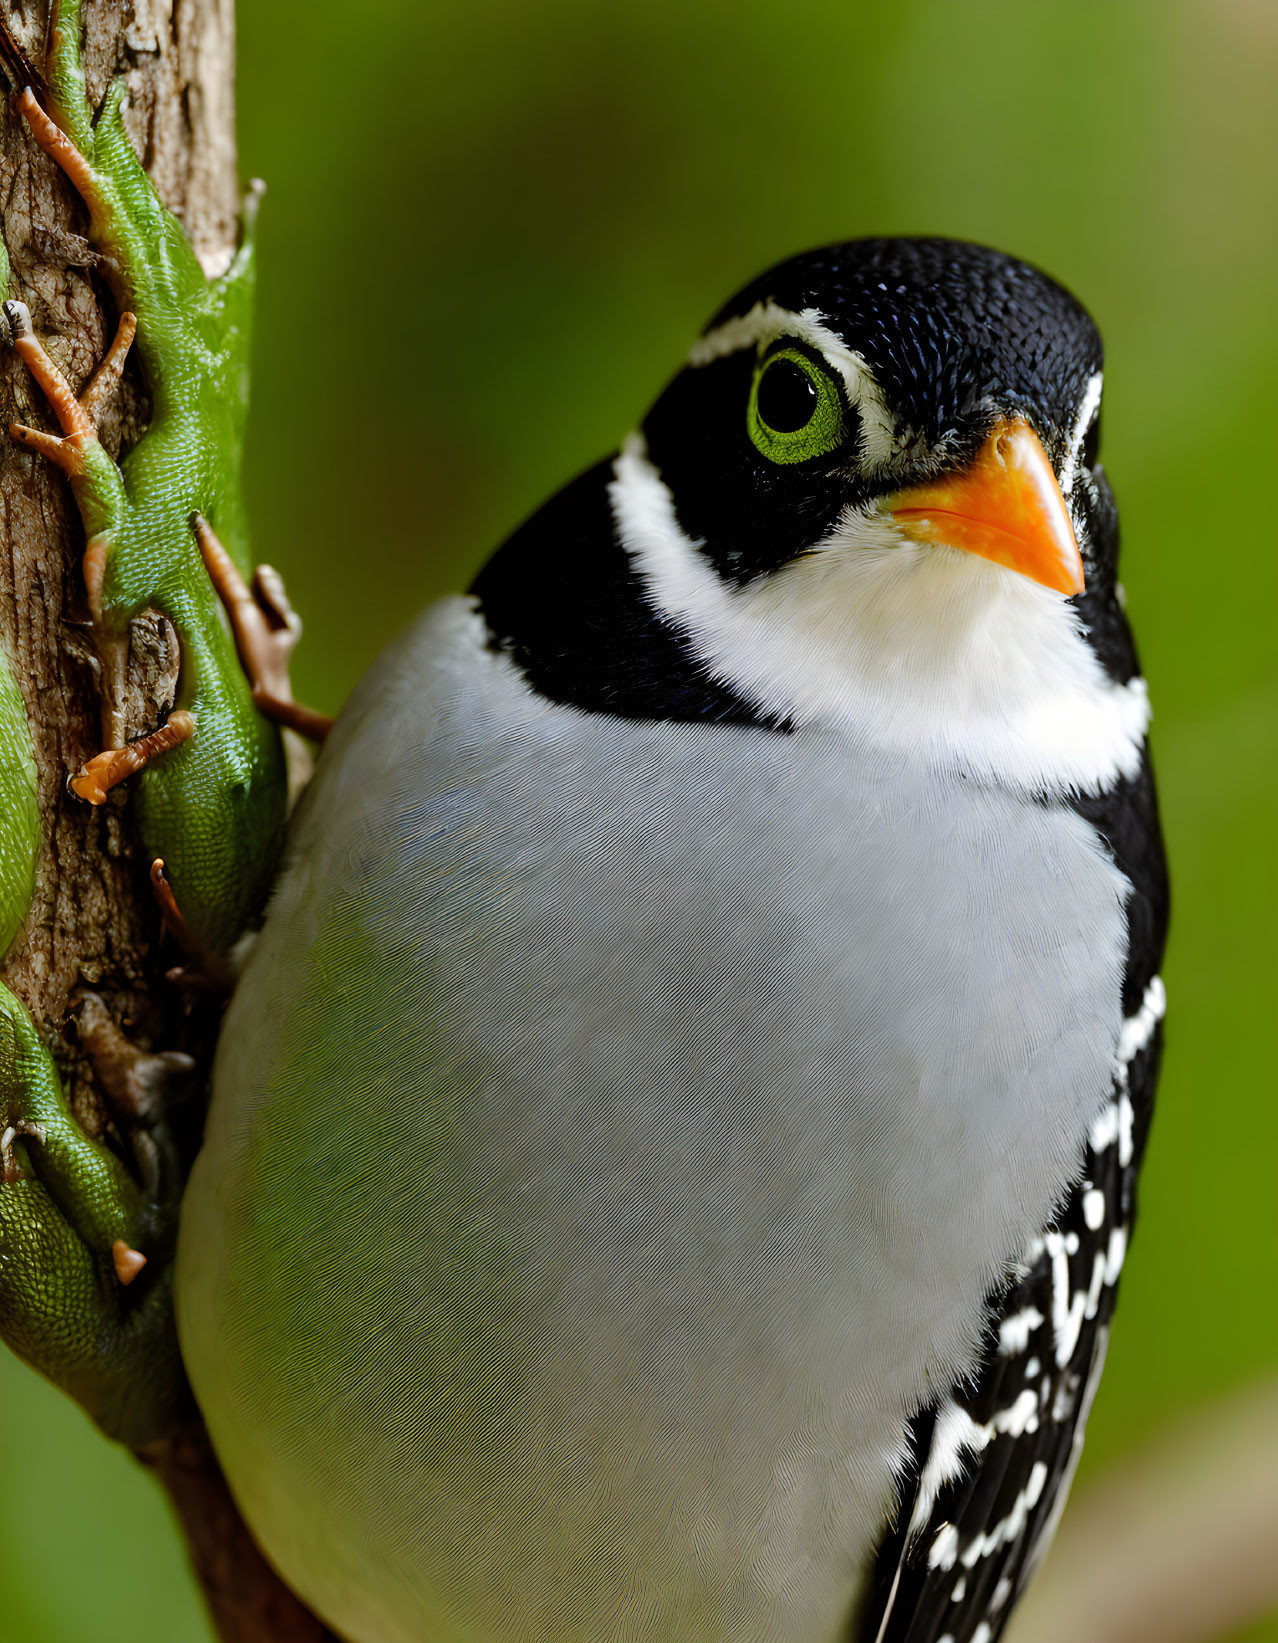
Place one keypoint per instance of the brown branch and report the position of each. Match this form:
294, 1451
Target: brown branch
1179, 1545
94, 923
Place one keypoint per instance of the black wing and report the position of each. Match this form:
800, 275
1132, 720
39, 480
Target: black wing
991, 1462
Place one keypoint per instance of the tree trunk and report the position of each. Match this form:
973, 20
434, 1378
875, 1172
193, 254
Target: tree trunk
94, 924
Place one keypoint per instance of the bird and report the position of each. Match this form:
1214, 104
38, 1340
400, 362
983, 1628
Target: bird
673, 1144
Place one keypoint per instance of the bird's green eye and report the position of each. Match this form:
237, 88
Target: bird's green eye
795, 411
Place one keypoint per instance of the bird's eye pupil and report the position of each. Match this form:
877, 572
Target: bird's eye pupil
794, 412
787, 397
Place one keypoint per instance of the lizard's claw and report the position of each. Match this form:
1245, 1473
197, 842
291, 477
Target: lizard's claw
266, 629
127, 1262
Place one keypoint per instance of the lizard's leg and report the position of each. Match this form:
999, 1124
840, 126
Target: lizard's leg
104, 770
84, 1257
266, 629
58, 146
106, 379
79, 454
78, 427
216, 972
218, 832
86, 1234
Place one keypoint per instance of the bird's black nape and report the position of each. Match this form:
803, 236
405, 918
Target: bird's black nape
562, 599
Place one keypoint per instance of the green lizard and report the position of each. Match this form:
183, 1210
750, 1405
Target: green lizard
207, 787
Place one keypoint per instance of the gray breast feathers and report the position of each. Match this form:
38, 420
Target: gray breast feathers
651, 1107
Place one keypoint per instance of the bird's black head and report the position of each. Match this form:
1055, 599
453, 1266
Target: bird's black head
869, 499
945, 326
882, 364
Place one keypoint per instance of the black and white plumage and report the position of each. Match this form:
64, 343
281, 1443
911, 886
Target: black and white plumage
735, 932
991, 1461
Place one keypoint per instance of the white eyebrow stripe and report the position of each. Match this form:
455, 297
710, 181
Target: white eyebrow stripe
1086, 411
767, 321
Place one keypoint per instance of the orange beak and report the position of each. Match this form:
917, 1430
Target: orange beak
1006, 507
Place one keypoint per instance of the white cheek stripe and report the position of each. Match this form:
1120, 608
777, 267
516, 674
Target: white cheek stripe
767, 321
933, 654
1086, 411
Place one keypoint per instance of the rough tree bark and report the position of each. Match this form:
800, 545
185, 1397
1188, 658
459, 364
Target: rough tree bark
94, 925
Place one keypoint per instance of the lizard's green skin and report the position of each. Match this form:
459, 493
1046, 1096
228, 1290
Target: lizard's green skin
65, 1200
213, 808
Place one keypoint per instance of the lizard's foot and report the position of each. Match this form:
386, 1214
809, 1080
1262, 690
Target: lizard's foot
94, 477
77, 425
140, 1087
214, 971
266, 629
78, 417
104, 770
139, 1084
85, 1256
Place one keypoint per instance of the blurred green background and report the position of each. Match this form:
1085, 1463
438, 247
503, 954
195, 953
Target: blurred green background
492, 230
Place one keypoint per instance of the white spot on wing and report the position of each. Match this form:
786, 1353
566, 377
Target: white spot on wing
1019, 1418
943, 1552
1095, 1287
954, 1435
1126, 1120
1006, 1531
1067, 1309
1138, 1029
1064, 1403
1116, 1254
1116, 1122
1039, 1549
1105, 1129
1014, 1331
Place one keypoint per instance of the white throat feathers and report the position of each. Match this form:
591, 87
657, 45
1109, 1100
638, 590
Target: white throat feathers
927, 651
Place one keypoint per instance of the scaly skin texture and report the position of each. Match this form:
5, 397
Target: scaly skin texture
213, 808
65, 1200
